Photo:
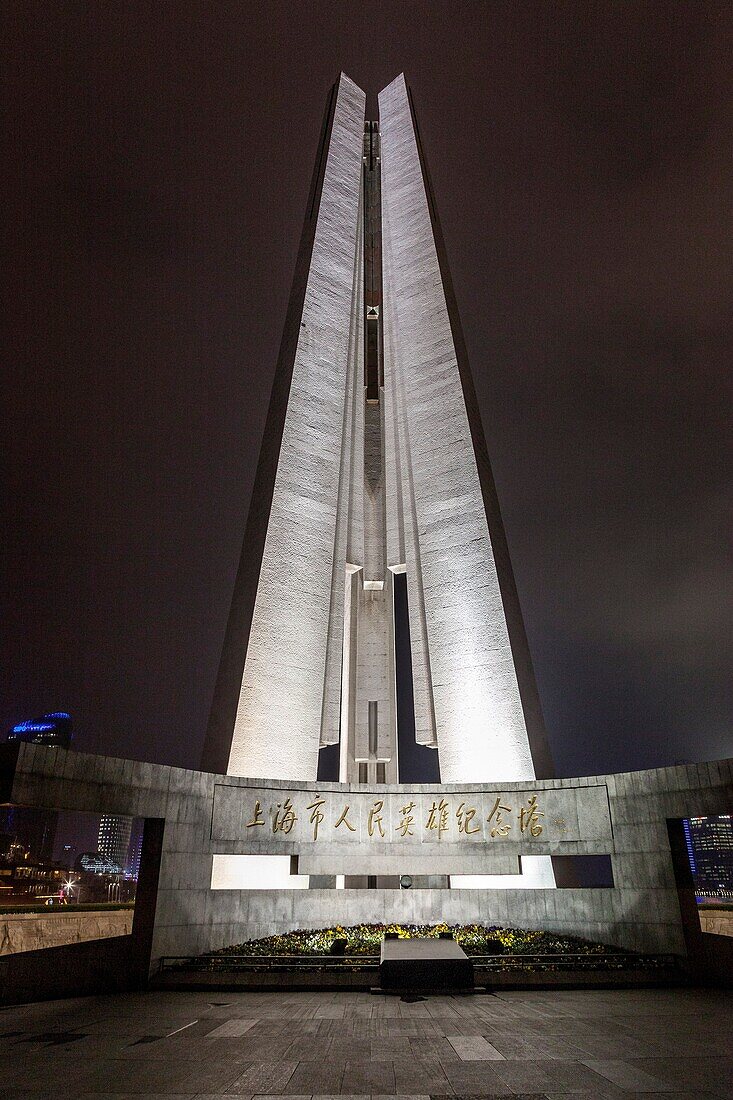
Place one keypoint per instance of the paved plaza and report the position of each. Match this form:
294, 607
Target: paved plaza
317, 1045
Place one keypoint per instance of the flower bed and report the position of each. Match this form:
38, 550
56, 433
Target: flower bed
365, 939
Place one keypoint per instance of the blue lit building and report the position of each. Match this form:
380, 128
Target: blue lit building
36, 829
51, 729
132, 870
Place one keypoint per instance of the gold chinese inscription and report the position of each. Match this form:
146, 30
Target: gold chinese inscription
374, 821
284, 817
407, 819
257, 818
501, 819
529, 817
465, 815
438, 817
500, 827
344, 820
316, 814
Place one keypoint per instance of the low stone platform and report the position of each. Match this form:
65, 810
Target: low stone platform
675, 1044
424, 964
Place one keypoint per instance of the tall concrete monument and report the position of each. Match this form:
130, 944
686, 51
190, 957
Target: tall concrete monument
374, 464
374, 481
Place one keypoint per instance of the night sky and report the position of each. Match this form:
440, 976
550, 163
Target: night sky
159, 161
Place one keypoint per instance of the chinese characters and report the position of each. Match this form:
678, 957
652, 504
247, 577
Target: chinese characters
487, 817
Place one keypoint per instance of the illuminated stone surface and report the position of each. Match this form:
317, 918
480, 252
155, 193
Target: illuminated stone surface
381, 469
476, 714
206, 815
278, 717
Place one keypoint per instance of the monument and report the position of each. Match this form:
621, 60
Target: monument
374, 474
374, 464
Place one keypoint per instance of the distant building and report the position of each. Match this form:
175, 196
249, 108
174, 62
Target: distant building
710, 850
132, 869
36, 829
114, 838
94, 863
37, 879
100, 879
51, 729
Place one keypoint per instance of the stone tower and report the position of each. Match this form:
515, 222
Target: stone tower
374, 465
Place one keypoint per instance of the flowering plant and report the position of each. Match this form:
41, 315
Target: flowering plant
365, 939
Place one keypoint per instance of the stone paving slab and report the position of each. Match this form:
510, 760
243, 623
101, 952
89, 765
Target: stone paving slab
263, 1076
627, 1076
713, 1074
231, 1029
370, 1078
478, 1079
421, 1075
474, 1048
318, 1077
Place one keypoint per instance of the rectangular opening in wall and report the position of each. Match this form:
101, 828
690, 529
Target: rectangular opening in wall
416, 763
328, 763
81, 868
584, 872
587, 872
363, 772
255, 872
373, 739
381, 773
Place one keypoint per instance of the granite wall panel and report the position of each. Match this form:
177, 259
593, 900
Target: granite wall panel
641, 912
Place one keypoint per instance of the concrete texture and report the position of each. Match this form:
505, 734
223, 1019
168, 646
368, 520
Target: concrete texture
278, 719
641, 911
437, 965
467, 696
33, 931
374, 463
721, 924
581, 1045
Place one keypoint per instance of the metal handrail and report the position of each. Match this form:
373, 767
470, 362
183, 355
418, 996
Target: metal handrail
561, 960
270, 962
568, 960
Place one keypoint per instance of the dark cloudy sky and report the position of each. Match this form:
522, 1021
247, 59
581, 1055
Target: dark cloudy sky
159, 159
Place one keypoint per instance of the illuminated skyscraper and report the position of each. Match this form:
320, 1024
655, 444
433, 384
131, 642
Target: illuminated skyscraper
710, 848
114, 838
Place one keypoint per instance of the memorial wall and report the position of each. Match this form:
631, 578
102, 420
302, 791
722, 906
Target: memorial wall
206, 818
